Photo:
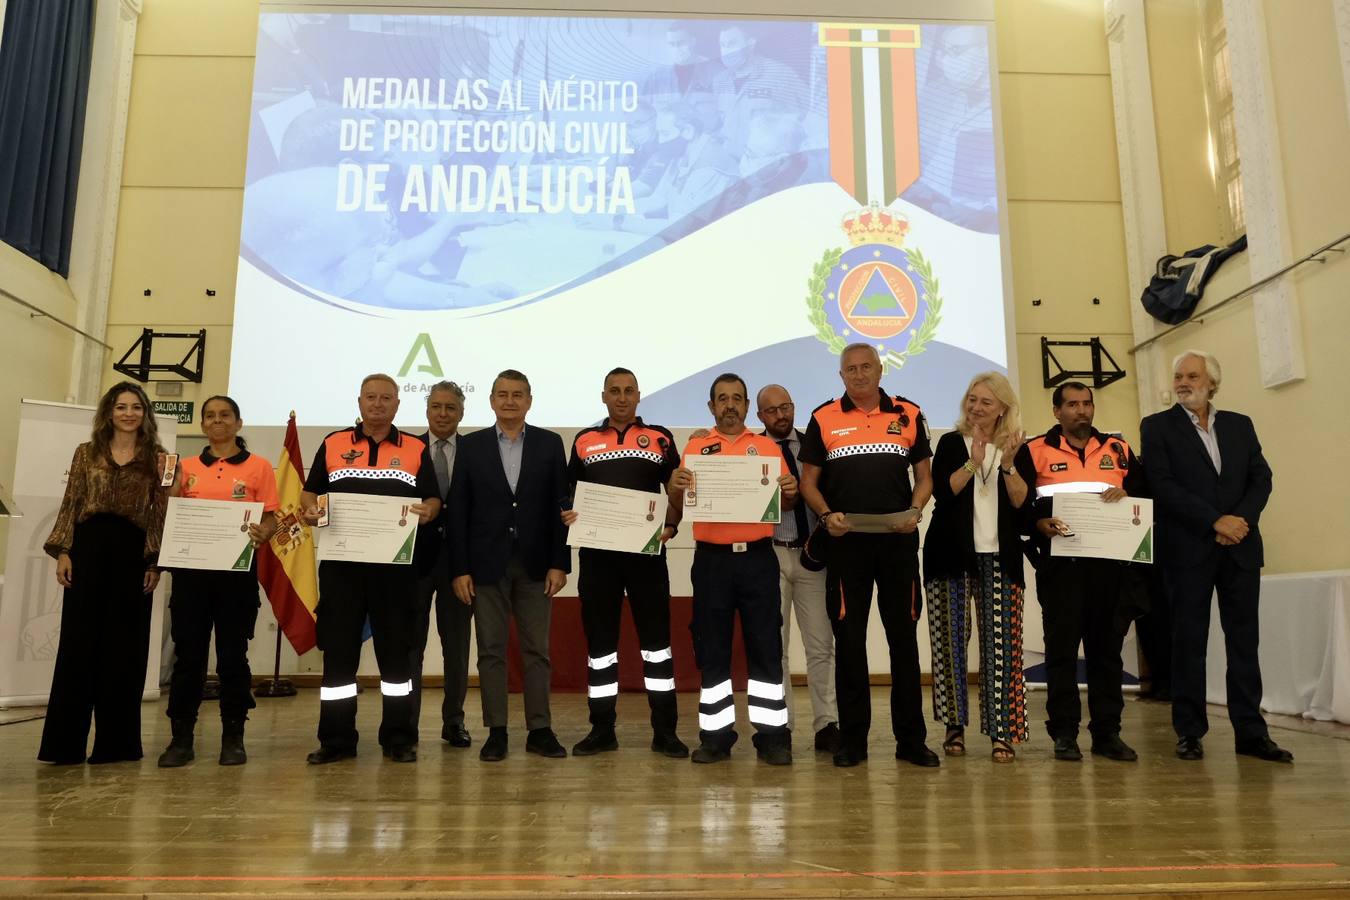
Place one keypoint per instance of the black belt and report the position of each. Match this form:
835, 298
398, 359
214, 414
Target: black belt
791, 545
738, 547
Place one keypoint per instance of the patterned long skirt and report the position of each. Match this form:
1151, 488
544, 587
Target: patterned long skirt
998, 606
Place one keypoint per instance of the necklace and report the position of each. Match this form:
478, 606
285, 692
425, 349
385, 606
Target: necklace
986, 474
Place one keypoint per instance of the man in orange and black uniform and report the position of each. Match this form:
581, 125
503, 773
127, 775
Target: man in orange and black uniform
624, 451
735, 571
373, 457
857, 457
1080, 597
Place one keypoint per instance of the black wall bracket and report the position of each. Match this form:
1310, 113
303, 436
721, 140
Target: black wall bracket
189, 368
1099, 376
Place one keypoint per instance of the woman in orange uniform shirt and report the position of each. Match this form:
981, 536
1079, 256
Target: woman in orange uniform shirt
225, 601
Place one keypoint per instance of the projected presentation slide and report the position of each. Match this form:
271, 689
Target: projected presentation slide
443, 197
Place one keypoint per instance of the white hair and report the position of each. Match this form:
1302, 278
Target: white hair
859, 346
1210, 362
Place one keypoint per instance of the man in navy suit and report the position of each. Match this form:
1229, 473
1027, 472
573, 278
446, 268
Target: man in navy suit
1210, 483
509, 556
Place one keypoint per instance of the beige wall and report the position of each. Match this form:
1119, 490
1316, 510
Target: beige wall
35, 350
1303, 426
1066, 228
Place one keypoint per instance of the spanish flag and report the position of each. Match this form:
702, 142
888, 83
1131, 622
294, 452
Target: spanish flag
286, 566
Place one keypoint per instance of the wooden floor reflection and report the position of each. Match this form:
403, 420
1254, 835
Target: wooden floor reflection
634, 823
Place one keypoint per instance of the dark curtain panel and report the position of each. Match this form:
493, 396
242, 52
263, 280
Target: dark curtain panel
44, 84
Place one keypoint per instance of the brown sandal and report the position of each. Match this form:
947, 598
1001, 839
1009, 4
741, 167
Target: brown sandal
1003, 752
955, 742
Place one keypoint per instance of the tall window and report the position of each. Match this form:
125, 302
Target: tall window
1224, 167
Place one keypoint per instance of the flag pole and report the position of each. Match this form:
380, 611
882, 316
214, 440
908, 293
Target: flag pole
277, 686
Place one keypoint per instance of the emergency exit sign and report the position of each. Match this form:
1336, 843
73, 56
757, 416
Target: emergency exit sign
180, 409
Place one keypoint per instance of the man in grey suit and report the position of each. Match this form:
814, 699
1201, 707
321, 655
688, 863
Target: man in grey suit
1210, 483
445, 408
509, 556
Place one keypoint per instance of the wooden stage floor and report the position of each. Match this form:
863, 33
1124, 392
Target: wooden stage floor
636, 824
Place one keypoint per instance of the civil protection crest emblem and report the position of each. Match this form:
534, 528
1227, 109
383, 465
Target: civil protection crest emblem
876, 291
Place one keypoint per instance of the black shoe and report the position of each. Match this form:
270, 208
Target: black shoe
179, 752
670, 745
1112, 747
456, 736
1190, 748
326, 754
232, 742
775, 756
405, 753
598, 741
828, 739
1264, 748
545, 743
494, 748
710, 753
1066, 748
847, 758
918, 755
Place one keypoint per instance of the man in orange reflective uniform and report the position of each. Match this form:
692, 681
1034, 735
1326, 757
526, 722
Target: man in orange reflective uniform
857, 457
373, 457
735, 571
1080, 597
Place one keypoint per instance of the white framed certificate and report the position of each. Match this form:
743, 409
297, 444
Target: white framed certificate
735, 489
368, 528
208, 534
615, 518
1122, 530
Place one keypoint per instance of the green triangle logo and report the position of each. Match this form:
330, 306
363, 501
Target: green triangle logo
653, 546
772, 512
1145, 552
245, 559
405, 552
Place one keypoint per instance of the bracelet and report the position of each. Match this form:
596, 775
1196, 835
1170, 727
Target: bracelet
970, 467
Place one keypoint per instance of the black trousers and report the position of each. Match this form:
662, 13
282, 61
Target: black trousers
348, 594
103, 648
228, 603
1079, 599
1155, 632
605, 577
1191, 589
725, 584
454, 623
891, 563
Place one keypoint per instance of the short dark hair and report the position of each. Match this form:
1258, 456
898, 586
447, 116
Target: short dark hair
234, 407
618, 370
1057, 398
727, 376
511, 375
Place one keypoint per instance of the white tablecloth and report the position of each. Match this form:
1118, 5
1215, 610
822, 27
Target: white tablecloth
1305, 646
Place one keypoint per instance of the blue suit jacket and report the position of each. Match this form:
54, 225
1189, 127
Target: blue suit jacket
1189, 495
484, 511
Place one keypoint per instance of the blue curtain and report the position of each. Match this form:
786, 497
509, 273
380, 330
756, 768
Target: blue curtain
44, 84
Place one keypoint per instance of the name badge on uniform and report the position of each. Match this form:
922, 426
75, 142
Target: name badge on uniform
1059, 467
711, 449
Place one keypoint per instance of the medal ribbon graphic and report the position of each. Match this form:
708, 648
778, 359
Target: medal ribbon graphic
874, 110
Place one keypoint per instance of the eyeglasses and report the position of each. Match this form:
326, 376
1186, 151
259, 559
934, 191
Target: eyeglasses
782, 409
